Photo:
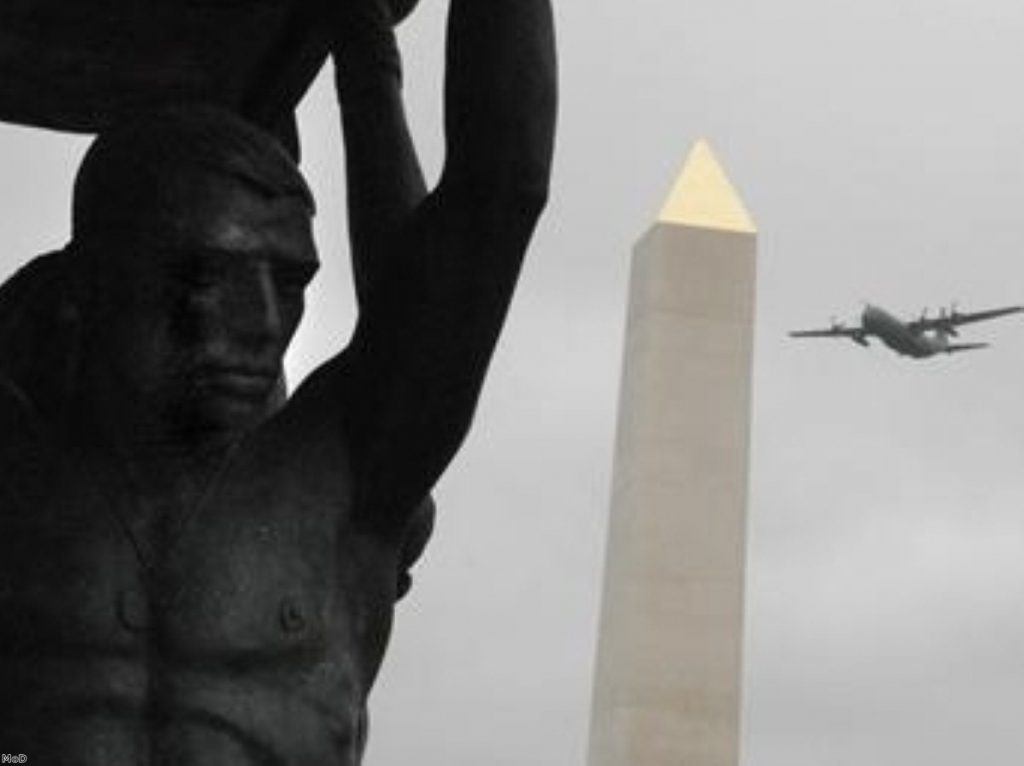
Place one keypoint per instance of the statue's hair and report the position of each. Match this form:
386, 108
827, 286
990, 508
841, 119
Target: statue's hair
130, 165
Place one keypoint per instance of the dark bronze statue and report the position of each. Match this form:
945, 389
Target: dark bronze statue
192, 570
84, 65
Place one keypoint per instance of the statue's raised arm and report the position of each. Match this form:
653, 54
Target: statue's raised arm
436, 271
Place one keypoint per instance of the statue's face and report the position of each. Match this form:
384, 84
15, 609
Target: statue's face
202, 311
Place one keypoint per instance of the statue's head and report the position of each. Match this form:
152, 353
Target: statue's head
192, 248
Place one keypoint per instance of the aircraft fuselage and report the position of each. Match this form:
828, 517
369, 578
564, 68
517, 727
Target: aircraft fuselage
898, 336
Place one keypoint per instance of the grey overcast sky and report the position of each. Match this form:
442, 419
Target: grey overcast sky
879, 146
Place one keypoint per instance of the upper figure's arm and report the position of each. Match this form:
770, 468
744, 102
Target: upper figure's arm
384, 181
436, 272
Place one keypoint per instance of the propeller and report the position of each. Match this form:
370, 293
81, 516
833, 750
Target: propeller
949, 317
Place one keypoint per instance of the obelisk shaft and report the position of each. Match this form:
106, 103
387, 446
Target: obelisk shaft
667, 686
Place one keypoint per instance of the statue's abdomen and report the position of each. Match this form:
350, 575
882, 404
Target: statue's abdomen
253, 639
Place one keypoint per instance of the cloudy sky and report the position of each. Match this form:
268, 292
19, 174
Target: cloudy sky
879, 146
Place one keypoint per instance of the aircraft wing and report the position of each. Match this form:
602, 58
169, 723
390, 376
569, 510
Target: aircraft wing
955, 347
954, 318
833, 332
856, 334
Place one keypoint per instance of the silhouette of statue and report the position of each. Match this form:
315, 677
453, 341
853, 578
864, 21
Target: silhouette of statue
86, 64
192, 570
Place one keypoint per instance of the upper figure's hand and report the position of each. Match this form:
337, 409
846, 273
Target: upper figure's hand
396, 10
362, 38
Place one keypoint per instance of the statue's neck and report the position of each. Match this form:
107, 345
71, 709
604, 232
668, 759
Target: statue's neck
172, 468
100, 413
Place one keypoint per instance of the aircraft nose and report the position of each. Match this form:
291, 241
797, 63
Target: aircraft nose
870, 317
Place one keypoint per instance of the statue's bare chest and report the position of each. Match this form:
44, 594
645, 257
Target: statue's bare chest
263, 618
256, 566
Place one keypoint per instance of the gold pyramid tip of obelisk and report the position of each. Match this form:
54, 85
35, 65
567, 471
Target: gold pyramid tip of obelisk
704, 198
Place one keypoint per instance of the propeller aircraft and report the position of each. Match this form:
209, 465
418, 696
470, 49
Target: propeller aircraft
918, 338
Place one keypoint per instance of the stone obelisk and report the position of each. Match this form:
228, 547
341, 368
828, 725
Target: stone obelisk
667, 685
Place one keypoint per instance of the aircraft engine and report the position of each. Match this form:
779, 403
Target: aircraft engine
949, 318
940, 337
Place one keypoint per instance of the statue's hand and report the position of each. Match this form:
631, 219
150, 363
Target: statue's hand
364, 46
359, 22
402, 8
393, 10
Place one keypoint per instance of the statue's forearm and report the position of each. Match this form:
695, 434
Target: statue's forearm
384, 179
500, 94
